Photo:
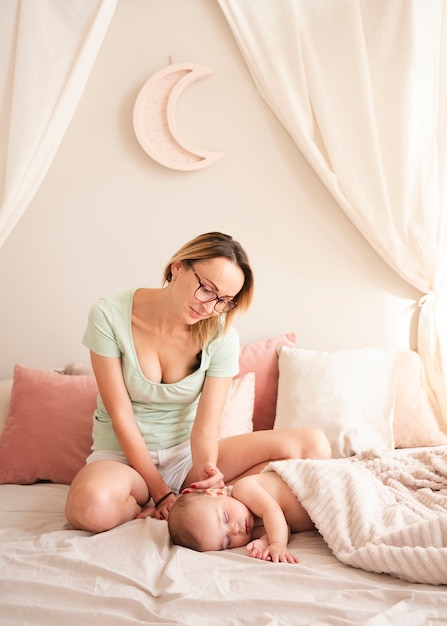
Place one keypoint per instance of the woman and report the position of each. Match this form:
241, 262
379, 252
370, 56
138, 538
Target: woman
164, 360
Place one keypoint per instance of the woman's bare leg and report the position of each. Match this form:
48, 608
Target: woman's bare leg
105, 494
249, 454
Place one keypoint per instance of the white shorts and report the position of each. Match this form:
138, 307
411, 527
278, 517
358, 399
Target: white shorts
173, 463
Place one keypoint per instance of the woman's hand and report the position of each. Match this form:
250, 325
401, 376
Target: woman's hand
162, 510
147, 511
210, 478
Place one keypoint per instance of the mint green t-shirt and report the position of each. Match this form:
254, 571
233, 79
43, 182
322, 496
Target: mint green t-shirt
164, 413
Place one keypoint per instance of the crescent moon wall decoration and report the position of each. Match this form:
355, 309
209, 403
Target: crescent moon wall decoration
155, 123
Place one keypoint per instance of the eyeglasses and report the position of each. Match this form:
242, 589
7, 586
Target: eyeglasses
205, 294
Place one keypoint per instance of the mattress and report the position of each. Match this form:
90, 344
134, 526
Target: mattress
52, 575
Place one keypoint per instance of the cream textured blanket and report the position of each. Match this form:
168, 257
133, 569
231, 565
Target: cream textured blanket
379, 512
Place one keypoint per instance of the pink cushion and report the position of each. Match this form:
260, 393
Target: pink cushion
47, 435
49, 424
237, 416
262, 359
48, 430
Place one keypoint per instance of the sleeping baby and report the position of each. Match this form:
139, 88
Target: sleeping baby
259, 511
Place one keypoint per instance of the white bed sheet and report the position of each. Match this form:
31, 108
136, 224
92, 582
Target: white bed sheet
53, 576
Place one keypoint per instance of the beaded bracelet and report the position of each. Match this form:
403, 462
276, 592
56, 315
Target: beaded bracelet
170, 493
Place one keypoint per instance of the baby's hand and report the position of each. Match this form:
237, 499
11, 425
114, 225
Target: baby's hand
257, 547
278, 553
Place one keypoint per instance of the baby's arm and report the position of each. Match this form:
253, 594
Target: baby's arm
273, 545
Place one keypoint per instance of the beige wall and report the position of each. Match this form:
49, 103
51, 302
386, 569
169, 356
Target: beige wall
107, 217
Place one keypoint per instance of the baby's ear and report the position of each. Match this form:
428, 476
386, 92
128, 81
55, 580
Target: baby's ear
216, 492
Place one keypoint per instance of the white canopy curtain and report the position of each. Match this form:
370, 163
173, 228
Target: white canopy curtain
47, 50
361, 87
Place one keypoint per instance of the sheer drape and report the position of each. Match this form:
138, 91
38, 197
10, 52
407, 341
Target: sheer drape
361, 87
47, 49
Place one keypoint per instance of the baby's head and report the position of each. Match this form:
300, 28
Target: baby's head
210, 520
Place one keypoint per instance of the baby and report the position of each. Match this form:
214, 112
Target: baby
259, 511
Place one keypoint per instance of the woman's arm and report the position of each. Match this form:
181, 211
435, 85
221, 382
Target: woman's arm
205, 432
114, 394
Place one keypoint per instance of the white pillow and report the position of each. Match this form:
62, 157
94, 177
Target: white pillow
415, 422
237, 416
348, 394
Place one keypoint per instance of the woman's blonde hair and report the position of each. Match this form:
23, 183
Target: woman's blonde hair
210, 246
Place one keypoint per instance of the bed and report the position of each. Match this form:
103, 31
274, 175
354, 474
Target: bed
51, 574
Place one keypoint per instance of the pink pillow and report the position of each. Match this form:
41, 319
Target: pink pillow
48, 430
237, 416
262, 359
47, 435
